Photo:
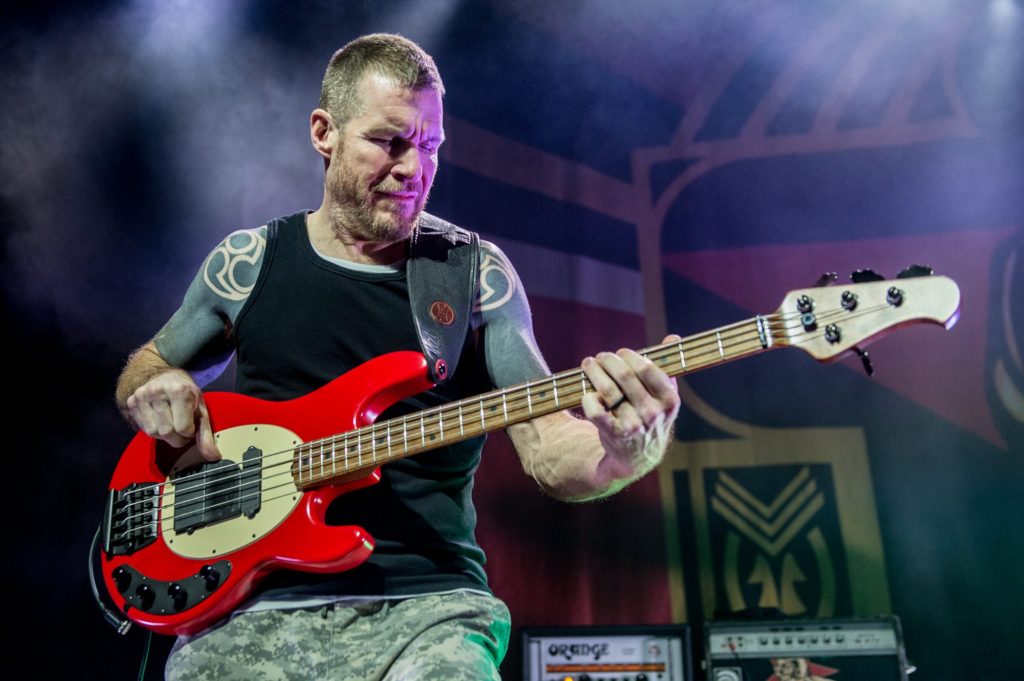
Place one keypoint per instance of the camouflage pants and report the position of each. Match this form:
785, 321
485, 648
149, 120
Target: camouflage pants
460, 636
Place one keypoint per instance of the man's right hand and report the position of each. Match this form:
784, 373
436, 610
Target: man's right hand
170, 407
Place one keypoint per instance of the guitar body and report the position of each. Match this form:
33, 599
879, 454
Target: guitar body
180, 556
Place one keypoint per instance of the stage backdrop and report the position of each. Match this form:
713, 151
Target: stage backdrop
649, 167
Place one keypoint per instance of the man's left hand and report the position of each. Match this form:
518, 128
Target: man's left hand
634, 407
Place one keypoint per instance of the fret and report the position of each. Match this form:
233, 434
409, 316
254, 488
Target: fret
334, 456
682, 357
389, 440
504, 406
483, 419
346, 451
423, 432
529, 402
554, 389
440, 423
721, 350
359, 449
373, 443
405, 435
462, 430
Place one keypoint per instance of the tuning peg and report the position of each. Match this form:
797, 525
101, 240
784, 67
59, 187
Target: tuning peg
915, 271
863, 276
826, 279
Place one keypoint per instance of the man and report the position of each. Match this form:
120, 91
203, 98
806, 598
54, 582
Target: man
310, 296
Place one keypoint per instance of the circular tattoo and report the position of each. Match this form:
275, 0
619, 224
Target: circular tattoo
497, 283
241, 248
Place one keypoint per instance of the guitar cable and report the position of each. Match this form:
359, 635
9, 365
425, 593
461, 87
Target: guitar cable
113, 617
121, 623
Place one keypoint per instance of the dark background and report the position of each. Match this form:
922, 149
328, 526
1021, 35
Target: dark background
649, 166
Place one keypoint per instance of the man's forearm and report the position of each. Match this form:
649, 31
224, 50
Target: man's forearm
142, 365
570, 461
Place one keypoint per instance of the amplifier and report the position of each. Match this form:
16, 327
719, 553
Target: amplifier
591, 653
805, 650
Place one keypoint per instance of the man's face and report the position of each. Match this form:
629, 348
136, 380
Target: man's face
384, 162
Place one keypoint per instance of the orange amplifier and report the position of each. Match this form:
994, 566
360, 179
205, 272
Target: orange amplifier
624, 653
805, 650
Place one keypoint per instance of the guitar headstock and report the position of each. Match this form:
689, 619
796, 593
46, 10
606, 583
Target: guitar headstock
830, 321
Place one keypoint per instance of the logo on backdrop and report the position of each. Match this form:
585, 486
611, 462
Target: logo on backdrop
1006, 341
776, 554
782, 520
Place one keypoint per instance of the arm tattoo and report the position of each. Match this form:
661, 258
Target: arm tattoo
497, 283
198, 334
510, 348
241, 248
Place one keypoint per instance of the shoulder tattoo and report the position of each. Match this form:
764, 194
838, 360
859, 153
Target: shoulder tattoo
230, 270
497, 282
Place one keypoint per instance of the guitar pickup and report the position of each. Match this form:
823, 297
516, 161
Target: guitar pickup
130, 518
218, 491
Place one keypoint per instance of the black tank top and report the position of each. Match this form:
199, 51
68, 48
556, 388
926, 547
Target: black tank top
308, 321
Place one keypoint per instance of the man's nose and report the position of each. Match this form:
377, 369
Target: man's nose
409, 163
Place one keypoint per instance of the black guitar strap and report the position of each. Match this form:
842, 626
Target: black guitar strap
443, 271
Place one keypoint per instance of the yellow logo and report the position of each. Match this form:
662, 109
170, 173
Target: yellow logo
782, 519
769, 529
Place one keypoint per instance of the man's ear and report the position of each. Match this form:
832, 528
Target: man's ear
321, 129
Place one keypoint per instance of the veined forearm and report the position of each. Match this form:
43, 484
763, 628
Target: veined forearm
570, 461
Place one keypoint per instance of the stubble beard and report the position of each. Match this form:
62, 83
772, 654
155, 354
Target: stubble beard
354, 214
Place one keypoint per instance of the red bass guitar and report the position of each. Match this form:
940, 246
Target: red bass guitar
184, 542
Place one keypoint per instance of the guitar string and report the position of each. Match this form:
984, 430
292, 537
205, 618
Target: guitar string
370, 431
307, 451
260, 493
367, 433
694, 351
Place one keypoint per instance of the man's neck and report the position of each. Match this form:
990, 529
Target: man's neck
337, 242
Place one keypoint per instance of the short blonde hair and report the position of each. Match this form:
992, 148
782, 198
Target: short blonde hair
392, 56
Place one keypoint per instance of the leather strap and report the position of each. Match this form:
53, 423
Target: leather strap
443, 272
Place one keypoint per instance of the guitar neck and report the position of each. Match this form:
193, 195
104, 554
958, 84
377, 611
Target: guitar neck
359, 451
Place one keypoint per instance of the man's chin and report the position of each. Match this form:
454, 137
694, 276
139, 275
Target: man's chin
395, 226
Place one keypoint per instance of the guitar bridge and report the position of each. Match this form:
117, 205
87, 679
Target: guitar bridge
130, 519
